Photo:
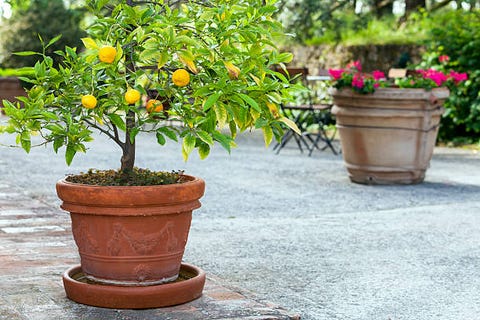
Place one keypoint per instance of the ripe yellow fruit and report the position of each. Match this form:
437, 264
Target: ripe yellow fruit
107, 54
89, 101
181, 77
132, 96
154, 106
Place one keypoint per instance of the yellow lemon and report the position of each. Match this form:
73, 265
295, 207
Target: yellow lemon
132, 96
89, 101
181, 77
107, 54
154, 106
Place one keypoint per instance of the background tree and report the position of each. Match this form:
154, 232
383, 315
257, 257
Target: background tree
34, 18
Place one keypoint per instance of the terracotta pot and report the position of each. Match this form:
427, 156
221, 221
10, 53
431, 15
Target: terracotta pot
10, 88
388, 137
131, 235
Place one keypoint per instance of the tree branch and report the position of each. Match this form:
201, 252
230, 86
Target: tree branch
106, 132
440, 4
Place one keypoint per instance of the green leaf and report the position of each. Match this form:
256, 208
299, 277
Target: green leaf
26, 53
160, 138
183, 39
55, 128
133, 134
25, 141
69, 154
233, 129
221, 114
89, 43
203, 151
169, 133
285, 57
52, 41
260, 123
188, 145
101, 4
211, 100
250, 101
118, 121
224, 140
267, 135
39, 69
290, 124
205, 137
57, 143
163, 59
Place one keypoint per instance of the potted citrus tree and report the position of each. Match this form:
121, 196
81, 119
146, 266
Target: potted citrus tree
207, 67
388, 128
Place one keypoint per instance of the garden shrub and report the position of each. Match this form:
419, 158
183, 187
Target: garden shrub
455, 34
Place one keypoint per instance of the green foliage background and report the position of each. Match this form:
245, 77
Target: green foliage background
456, 34
44, 18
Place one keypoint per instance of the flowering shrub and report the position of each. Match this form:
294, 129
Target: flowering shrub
353, 77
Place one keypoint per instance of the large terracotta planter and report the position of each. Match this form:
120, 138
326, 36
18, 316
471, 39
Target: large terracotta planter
131, 236
388, 137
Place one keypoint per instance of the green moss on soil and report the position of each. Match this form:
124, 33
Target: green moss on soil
137, 177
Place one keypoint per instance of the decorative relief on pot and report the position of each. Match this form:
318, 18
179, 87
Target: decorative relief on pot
142, 272
84, 240
113, 245
140, 243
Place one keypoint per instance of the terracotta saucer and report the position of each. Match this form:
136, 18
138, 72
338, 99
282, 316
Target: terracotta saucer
187, 287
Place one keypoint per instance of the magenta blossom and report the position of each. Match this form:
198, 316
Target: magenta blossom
443, 58
357, 81
458, 77
436, 76
378, 75
336, 74
355, 65
361, 82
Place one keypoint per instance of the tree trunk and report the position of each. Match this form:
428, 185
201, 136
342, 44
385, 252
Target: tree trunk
128, 157
414, 5
383, 7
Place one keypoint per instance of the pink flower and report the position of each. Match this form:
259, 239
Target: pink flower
378, 75
355, 65
458, 77
336, 73
357, 81
436, 76
444, 58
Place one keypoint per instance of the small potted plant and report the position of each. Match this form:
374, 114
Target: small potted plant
207, 67
388, 128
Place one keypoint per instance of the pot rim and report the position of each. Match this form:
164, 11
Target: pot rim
395, 93
191, 179
78, 197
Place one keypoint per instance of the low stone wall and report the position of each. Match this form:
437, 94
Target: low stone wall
373, 57
10, 87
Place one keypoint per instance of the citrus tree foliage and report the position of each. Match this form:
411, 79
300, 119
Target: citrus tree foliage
33, 19
226, 47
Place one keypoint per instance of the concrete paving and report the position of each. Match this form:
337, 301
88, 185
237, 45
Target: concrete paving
294, 230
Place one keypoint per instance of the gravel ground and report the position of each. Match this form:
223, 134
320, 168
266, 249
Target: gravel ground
294, 230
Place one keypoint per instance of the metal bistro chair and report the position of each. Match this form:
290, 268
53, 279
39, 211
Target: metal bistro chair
306, 114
